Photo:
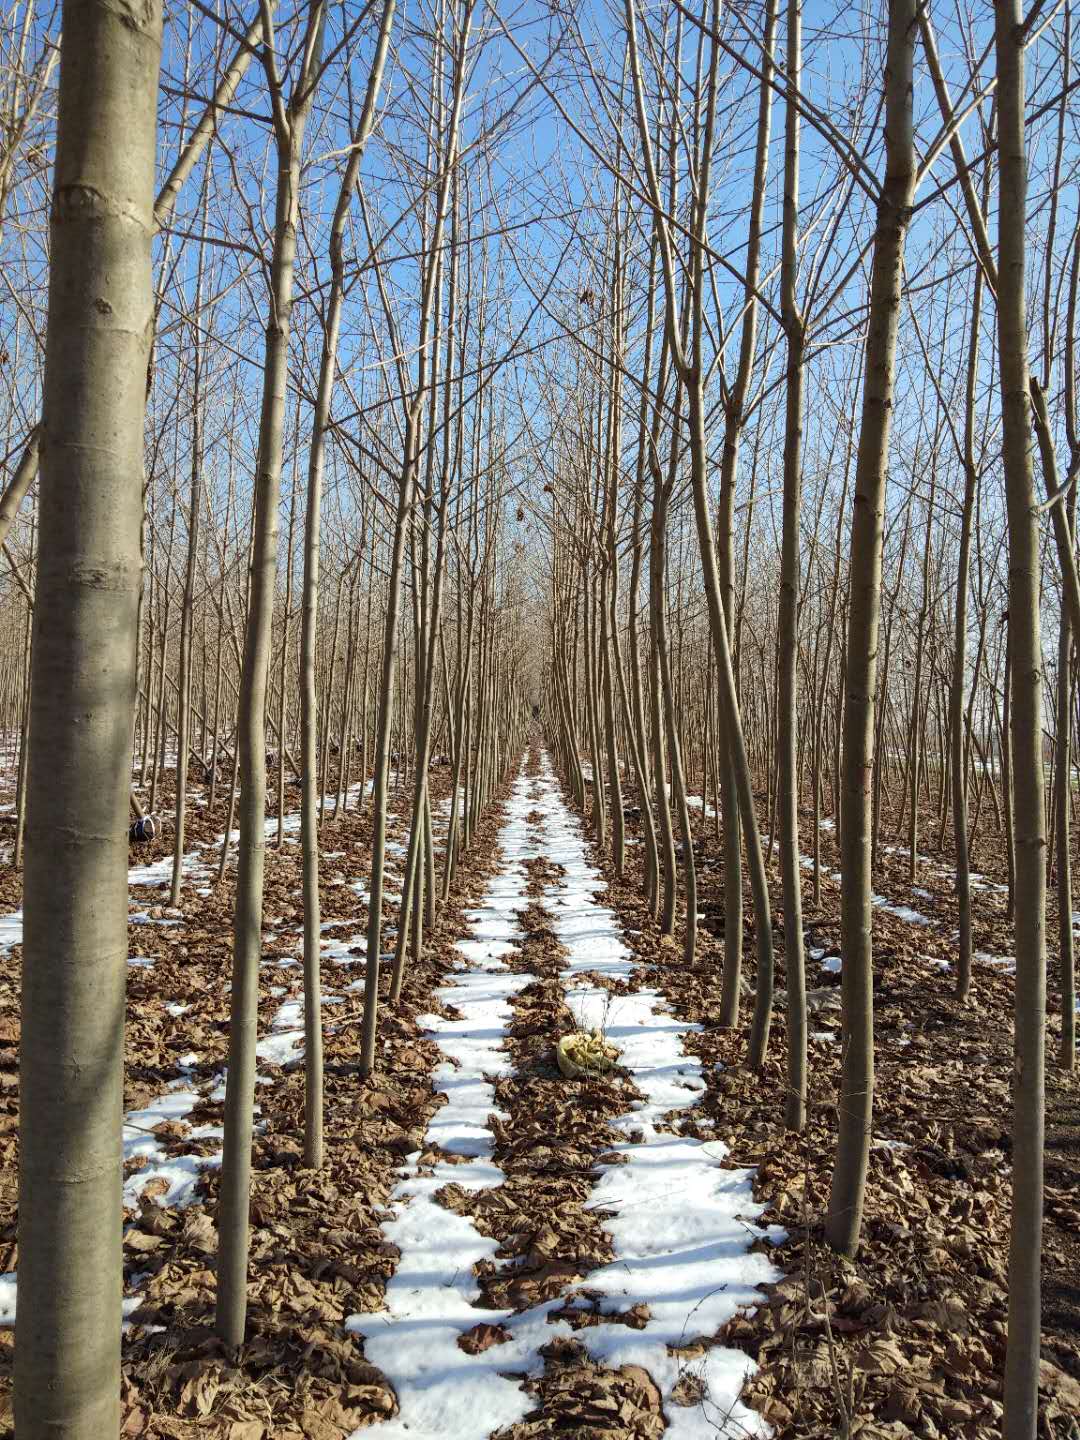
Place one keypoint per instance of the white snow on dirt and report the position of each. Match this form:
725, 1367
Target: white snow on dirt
428, 1303
11, 930
286, 1031
180, 1172
158, 874
280, 1044
681, 1224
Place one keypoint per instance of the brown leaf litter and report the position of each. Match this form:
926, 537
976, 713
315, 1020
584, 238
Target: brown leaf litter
909, 1339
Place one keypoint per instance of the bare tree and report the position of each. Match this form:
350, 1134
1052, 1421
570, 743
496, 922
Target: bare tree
290, 119
67, 1366
846, 1198
1025, 723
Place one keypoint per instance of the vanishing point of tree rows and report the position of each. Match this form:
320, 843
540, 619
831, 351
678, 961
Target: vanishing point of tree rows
381, 386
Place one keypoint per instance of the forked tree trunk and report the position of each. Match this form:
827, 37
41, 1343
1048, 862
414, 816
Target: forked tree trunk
309, 757
251, 720
689, 367
67, 1361
734, 423
404, 510
635, 710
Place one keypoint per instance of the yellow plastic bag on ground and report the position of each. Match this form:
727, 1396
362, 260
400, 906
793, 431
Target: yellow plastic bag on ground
585, 1052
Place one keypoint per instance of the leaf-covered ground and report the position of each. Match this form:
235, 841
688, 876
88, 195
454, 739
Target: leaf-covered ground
908, 1339
317, 1253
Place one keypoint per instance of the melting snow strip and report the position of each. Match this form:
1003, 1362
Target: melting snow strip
428, 1302
681, 1225
180, 1173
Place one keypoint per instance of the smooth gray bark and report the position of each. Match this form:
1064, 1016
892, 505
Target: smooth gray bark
67, 1360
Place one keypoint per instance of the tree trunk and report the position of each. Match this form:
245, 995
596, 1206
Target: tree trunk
183, 698
1021, 1391
67, 1362
844, 1221
251, 721
959, 677
309, 757
788, 622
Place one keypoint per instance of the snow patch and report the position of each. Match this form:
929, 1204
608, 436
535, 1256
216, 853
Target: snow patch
680, 1223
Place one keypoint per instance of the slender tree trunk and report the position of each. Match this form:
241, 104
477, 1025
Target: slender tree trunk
844, 1222
1021, 1391
734, 423
959, 677
20, 482
1063, 780
24, 742
1006, 749
405, 501
251, 722
283, 672
677, 801
917, 747
183, 696
309, 802
788, 622
324, 770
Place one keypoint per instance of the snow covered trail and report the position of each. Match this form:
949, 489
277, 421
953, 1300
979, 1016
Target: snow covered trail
428, 1301
681, 1225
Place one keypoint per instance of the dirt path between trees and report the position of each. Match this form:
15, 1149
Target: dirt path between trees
585, 1236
